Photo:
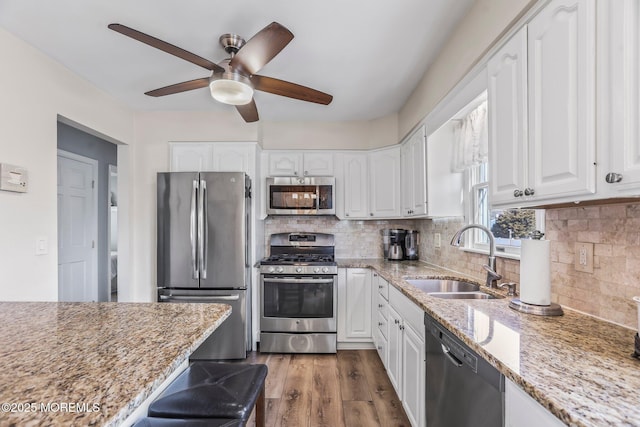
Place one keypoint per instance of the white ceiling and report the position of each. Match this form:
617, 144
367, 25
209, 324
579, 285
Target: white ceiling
368, 54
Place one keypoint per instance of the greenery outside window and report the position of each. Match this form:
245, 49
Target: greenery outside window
507, 225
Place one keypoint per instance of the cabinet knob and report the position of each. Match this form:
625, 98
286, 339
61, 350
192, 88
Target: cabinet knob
380, 323
306, 173
517, 193
396, 321
371, 214
295, 173
379, 286
380, 347
346, 214
380, 305
529, 192
402, 327
613, 177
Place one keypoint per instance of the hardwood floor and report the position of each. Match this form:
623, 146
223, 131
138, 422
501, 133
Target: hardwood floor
347, 389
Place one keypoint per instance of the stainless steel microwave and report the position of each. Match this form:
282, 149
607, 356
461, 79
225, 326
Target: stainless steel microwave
301, 196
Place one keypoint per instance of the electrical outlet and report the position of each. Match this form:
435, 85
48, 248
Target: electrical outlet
437, 240
584, 257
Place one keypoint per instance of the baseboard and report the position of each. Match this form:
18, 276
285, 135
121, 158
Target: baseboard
356, 346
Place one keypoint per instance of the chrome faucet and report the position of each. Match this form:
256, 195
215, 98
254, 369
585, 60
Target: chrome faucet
492, 275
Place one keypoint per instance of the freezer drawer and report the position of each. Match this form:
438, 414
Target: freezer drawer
232, 339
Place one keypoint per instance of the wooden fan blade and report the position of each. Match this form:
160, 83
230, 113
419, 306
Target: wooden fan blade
180, 87
166, 47
261, 48
249, 112
290, 90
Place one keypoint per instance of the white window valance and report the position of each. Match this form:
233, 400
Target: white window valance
471, 139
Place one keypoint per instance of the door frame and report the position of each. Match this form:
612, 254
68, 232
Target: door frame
94, 222
113, 170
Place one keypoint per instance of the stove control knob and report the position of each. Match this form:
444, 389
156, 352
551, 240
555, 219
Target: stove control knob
298, 269
279, 269
271, 269
325, 269
316, 270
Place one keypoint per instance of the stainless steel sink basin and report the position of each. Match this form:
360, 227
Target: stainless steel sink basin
437, 285
462, 295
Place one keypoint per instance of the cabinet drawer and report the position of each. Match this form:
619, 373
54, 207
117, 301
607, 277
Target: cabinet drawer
381, 305
381, 347
411, 312
383, 287
382, 324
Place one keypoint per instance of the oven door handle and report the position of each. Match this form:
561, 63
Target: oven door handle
269, 280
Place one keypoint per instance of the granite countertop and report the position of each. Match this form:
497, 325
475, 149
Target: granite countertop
577, 366
92, 363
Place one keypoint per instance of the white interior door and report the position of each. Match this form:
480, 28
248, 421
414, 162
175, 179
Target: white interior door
77, 228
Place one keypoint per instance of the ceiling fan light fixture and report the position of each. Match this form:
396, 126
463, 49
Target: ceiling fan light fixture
231, 88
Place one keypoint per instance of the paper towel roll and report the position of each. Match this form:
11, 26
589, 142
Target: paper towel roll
535, 272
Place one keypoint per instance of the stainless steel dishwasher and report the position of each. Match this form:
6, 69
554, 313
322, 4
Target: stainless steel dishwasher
463, 389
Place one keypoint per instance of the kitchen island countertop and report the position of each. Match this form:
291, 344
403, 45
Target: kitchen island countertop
93, 363
577, 366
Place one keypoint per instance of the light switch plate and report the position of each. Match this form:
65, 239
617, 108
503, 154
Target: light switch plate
42, 246
584, 257
437, 240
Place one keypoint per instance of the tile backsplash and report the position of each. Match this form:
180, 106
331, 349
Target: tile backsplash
613, 229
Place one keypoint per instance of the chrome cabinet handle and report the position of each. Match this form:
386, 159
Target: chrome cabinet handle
613, 178
517, 193
529, 192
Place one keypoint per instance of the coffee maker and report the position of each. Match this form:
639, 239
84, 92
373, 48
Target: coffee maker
393, 244
411, 242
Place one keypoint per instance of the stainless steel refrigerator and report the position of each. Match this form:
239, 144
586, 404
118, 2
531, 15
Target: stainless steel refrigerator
203, 253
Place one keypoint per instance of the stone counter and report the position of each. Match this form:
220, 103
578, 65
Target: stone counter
93, 363
577, 366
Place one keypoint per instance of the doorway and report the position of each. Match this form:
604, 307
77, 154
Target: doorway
77, 227
113, 233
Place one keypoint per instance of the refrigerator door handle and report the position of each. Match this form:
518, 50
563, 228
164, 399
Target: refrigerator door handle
199, 298
192, 230
203, 229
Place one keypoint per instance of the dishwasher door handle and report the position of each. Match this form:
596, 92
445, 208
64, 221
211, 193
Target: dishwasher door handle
450, 356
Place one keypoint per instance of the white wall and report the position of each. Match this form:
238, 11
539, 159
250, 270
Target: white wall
477, 32
35, 90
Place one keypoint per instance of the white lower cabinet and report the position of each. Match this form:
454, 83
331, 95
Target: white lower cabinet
354, 305
380, 316
406, 355
521, 410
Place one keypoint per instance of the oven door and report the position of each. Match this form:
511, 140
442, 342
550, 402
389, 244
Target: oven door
298, 303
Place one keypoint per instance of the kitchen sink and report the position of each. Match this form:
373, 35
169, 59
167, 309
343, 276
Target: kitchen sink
437, 285
462, 295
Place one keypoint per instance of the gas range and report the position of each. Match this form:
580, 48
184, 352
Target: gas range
300, 253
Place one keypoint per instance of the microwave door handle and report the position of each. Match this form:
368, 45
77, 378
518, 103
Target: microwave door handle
192, 230
203, 228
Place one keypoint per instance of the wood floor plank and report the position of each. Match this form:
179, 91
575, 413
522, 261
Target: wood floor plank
326, 398
353, 383
278, 365
388, 406
271, 412
360, 414
295, 406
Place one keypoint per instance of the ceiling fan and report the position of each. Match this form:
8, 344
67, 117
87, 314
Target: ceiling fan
233, 80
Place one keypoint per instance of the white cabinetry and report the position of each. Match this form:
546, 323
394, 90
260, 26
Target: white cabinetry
414, 173
190, 157
550, 135
406, 354
296, 163
521, 410
619, 96
354, 305
371, 182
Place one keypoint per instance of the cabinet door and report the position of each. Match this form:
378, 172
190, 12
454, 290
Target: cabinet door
419, 172
188, 157
233, 157
384, 175
317, 164
621, 57
394, 351
507, 102
413, 375
357, 305
407, 178
561, 76
356, 186
284, 164
521, 410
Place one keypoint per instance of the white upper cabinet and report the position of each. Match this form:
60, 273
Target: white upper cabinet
234, 157
371, 183
190, 157
296, 163
384, 178
542, 117
507, 100
414, 173
619, 96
